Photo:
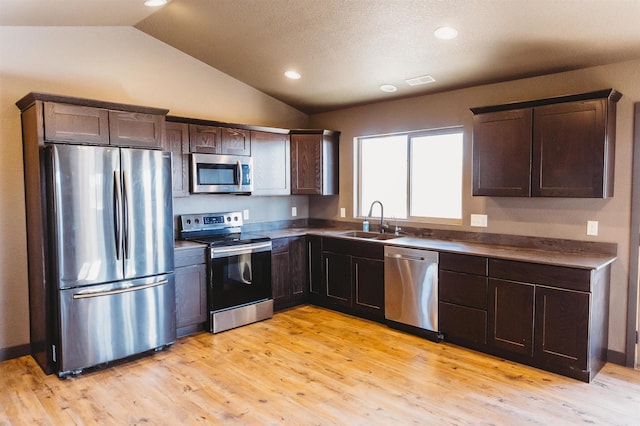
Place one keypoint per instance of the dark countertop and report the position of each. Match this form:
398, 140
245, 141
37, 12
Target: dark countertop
580, 260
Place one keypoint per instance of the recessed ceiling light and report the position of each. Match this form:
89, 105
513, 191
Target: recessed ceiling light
293, 75
389, 88
446, 33
155, 3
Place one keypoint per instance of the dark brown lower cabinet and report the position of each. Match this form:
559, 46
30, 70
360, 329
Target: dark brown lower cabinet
462, 290
551, 317
337, 270
191, 290
350, 283
511, 316
368, 286
562, 321
288, 272
315, 270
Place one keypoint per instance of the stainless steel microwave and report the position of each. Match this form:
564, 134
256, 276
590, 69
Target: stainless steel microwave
222, 174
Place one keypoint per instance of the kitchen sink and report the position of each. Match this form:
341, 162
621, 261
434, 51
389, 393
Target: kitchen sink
368, 235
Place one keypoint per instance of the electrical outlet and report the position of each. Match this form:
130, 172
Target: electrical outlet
245, 214
479, 220
294, 211
592, 227
343, 212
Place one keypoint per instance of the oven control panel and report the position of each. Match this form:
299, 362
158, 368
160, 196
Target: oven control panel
210, 221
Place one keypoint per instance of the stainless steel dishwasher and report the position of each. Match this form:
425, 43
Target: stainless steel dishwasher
411, 287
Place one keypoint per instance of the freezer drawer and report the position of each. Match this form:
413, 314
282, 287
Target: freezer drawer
102, 323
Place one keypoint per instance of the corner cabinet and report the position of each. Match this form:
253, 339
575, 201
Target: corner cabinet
556, 147
314, 162
288, 272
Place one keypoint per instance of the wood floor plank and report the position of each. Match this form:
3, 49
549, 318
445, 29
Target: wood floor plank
311, 366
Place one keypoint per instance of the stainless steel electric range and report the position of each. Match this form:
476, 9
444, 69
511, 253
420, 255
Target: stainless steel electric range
238, 269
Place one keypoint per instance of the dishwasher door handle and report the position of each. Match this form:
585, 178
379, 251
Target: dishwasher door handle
407, 257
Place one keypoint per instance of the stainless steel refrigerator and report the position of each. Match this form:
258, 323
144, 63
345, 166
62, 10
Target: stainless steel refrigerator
110, 269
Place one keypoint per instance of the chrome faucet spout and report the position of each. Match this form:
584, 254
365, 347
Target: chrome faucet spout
381, 214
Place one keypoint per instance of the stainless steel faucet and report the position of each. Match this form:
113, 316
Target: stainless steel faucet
382, 227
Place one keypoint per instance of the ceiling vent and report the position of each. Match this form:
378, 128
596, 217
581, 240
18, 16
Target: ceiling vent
417, 81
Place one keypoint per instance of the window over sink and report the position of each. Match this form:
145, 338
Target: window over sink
416, 175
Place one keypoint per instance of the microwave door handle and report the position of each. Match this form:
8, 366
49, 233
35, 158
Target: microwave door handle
239, 174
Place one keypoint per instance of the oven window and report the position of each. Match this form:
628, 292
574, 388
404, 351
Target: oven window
216, 174
240, 279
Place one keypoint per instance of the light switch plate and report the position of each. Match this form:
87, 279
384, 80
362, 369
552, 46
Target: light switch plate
479, 220
343, 212
294, 211
592, 227
245, 214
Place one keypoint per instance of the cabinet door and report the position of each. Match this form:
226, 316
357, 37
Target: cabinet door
74, 123
562, 328
297, 269
136, 130
306, 164
234, 141
271, 163
204, 139
502, 153
315, 273
177, 142
569, 150
191, 296
368, 286
337, 270
280, 273
463, 324
511, 316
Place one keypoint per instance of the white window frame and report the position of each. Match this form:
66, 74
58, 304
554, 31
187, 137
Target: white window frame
363, 210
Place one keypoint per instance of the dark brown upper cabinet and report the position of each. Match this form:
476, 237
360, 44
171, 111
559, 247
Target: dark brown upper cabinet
556, 147
219, 140
177, 142
204, 139
85, 121
314, 162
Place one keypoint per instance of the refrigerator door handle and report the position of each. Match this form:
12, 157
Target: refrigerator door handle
118, 291
117, 212
125, 214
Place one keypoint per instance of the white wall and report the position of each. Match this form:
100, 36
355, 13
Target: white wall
118, 64
542, 217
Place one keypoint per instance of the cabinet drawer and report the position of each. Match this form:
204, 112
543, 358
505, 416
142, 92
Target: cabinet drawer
463, 289
350, 247
463, 263
556, 276
189, 256
280, 245
463, 323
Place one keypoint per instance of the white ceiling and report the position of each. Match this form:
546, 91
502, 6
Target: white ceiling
345, 49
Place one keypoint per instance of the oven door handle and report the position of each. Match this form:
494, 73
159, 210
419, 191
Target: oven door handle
217, 252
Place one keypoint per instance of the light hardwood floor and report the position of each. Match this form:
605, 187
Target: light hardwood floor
313, 366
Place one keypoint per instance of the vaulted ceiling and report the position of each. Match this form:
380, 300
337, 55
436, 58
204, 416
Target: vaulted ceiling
346, 49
